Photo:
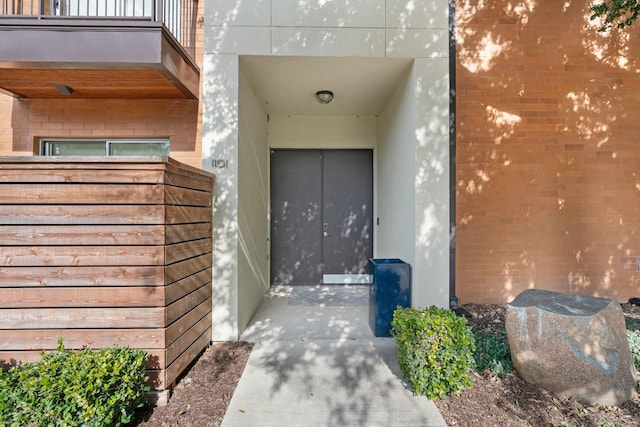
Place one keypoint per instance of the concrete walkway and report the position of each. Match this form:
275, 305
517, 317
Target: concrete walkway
317, 363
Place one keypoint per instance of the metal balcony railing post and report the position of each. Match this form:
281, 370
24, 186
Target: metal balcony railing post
159, 11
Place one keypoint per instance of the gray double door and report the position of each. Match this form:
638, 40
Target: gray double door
321, 216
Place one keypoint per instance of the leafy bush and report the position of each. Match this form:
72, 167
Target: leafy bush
435, 350
66, 388
492, 353
634, 343
633, 336
632, 324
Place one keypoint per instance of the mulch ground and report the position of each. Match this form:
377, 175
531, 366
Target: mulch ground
202, 395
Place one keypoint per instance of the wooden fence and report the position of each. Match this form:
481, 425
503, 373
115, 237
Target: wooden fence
104, 251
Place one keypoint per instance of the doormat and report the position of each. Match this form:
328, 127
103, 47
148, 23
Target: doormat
330, 295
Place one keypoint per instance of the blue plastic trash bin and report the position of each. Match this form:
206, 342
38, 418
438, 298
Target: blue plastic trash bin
391, 288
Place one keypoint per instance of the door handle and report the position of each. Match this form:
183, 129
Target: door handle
325, 234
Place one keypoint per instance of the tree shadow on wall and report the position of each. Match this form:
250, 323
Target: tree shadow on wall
546, 177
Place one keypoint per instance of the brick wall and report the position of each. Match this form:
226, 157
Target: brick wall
27, 120
548, 162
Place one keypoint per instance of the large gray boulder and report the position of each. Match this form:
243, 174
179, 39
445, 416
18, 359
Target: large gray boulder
571, 345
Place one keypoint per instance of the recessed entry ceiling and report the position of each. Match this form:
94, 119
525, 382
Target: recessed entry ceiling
287, 85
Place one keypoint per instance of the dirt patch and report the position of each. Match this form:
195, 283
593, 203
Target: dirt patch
203, 394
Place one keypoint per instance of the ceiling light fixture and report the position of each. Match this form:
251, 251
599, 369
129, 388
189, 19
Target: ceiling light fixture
324, 96
64, 89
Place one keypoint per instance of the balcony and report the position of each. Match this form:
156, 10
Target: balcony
136, 49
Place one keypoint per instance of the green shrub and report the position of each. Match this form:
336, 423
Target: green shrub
84, 388
492, 353
435, 350
633, 336
634, 343
632, 324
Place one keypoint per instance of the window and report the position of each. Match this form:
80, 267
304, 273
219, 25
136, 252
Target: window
102, 147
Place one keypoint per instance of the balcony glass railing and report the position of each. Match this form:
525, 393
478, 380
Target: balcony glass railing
178, 16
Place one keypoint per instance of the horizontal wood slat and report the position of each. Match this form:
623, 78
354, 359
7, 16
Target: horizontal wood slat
81, 255
82, 297
14, 357
174, 370
179, 289
82, 276
180, 326
182, 178
113, 194
187, 197
185, 340
187, 303
47, 339
87, 214
180, 270
81, 318
30, 163
184, 250
83, 176
96, 234
104, 251
49, 297
187, 214
185, 232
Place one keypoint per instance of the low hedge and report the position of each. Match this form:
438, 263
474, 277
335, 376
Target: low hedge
66, 388
435, 350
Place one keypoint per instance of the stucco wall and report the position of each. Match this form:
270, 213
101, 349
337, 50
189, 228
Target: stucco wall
395, 188
412, 182
547, 155
253, 203
431, 162
362, 28
220, 88
322, 132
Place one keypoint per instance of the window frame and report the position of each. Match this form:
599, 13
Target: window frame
45, 146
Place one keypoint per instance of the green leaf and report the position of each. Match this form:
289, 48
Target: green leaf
68, 388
